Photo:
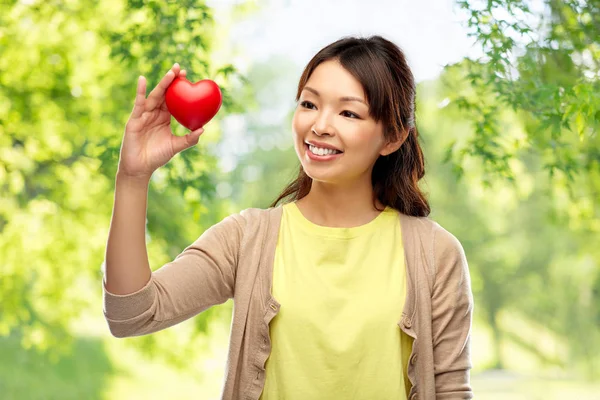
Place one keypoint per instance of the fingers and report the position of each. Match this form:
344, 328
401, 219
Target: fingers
140, 98
181, 143
183, 73
157, 96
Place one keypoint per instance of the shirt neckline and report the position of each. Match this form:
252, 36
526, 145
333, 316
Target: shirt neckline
335, 232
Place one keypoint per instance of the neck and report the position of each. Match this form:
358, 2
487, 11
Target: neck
339, 206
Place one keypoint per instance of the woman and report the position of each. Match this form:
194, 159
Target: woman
346, 291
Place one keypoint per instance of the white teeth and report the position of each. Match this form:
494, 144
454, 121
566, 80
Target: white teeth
320, 151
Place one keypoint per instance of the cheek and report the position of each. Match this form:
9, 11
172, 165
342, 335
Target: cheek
297, 133
296, 127
301, 122
295, 123
366, 138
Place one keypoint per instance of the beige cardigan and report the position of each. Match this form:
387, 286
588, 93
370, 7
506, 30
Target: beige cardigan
234, 259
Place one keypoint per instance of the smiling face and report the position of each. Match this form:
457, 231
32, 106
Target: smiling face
333, 104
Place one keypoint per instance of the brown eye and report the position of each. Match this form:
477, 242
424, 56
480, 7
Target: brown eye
307, 104
350, 114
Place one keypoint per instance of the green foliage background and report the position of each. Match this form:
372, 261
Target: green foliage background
513, 170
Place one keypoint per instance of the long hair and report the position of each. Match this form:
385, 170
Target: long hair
381, 67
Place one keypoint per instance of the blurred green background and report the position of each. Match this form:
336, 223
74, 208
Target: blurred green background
509, 128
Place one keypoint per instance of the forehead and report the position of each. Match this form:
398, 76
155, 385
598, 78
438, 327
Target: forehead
331, 78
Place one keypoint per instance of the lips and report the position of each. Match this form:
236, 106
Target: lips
318, 158
321, 145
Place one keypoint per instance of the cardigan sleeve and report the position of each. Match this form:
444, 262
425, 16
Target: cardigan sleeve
201, 276
452, 312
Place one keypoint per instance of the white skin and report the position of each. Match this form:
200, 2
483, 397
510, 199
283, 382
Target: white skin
341, 194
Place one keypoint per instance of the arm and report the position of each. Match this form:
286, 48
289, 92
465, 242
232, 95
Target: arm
126, 244
138, 301
201, 276
452, 313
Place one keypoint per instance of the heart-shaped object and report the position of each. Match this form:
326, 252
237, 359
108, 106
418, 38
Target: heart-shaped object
193, 104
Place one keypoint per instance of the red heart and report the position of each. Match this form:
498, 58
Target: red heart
193, 104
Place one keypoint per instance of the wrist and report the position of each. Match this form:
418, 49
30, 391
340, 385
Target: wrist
130, 180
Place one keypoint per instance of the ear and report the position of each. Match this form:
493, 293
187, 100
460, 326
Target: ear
394, 144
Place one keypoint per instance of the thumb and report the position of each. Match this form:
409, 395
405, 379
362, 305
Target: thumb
183, 142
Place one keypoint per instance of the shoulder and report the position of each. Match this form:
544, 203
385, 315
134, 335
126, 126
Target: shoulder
449, 260
254, 215
443, 248
430, 231
250, 218
447, 249
422, 226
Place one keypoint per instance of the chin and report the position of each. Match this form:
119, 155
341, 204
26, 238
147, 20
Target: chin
320, 176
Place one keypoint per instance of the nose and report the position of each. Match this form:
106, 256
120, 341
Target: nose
322, 124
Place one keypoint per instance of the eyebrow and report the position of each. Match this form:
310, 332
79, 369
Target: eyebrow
344, 98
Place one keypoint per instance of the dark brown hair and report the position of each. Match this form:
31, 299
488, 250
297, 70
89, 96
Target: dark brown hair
381, 67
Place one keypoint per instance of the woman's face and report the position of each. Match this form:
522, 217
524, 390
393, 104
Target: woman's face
333, 104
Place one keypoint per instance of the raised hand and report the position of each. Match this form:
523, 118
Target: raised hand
148, 142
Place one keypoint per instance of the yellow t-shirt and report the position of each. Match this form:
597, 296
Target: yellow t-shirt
342, 292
